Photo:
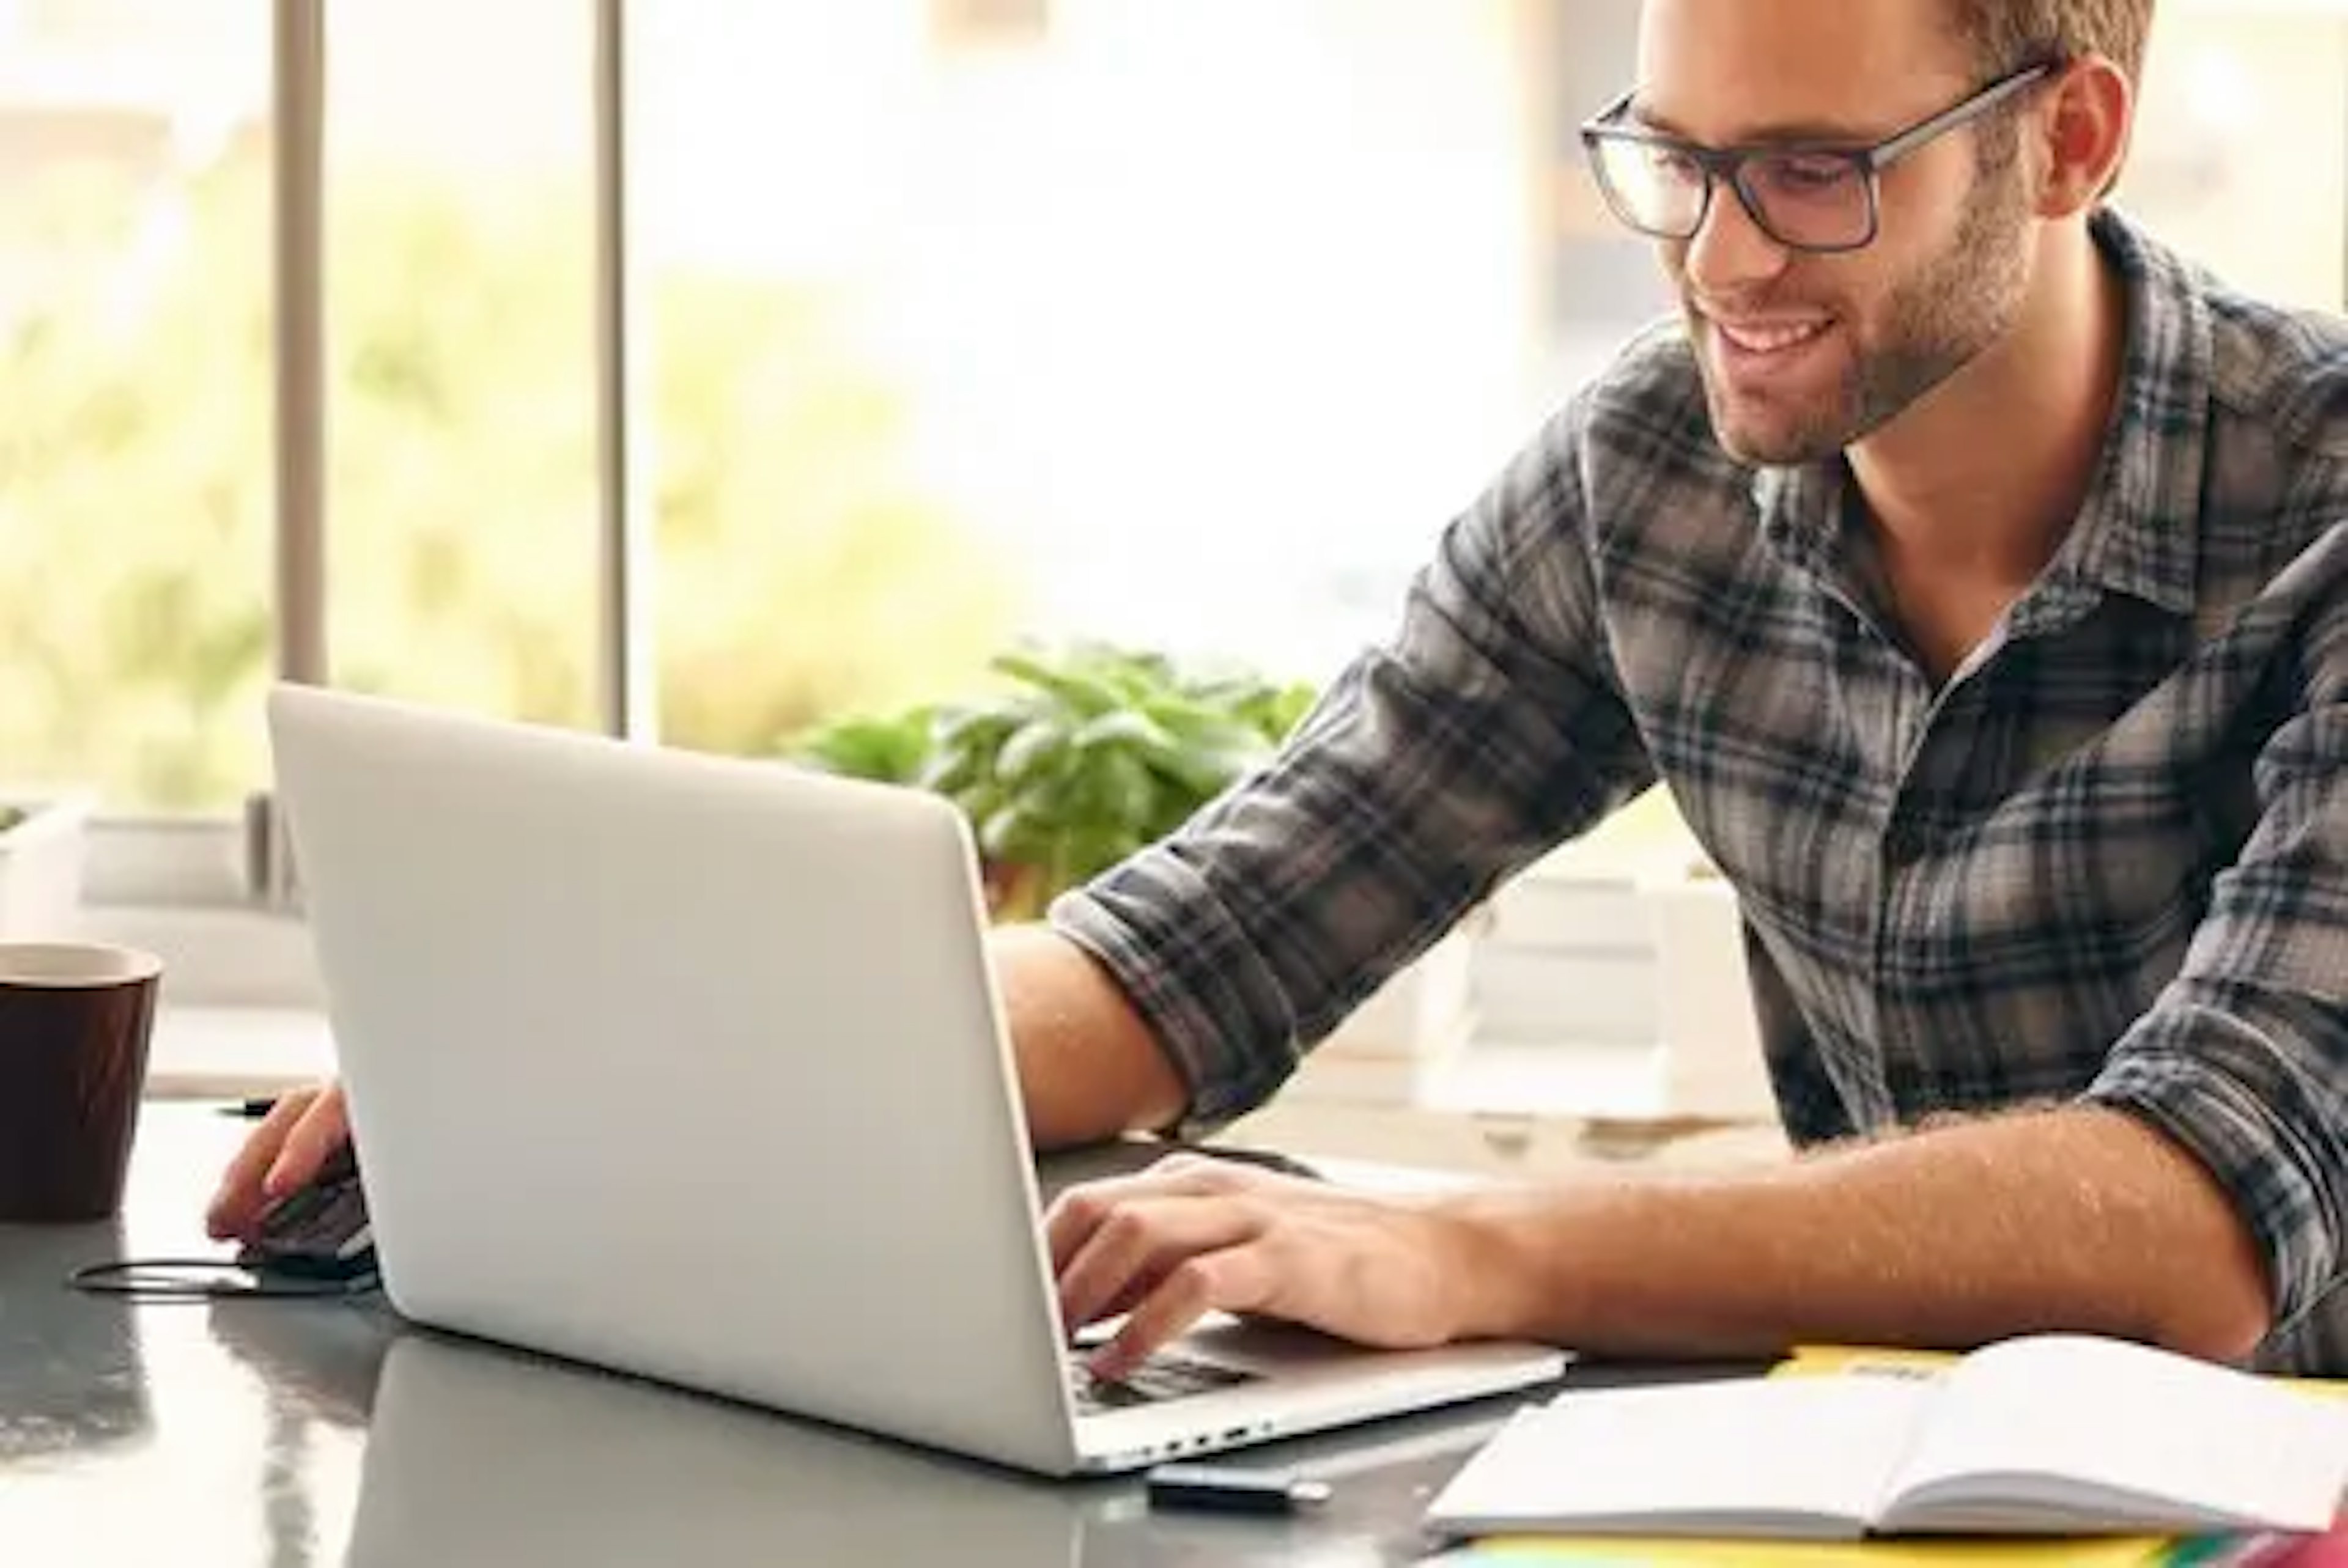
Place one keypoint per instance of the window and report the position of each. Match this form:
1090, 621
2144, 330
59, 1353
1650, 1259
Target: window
135, 471
1183, 326
460, 269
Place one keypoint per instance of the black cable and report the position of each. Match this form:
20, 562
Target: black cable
162, 1279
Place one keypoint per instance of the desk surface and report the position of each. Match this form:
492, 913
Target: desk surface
292, 1432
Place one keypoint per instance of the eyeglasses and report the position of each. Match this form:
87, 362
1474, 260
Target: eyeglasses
1804, 196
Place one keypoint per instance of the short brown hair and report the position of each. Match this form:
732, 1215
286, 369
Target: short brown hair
2005, 34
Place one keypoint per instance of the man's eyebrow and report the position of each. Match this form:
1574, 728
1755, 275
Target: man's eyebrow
1785, 132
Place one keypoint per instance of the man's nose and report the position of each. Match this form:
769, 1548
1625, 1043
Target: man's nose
1730, 253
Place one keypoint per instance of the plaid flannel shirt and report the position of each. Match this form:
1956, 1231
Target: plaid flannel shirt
2106, 862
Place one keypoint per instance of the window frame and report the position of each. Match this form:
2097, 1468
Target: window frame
213, 894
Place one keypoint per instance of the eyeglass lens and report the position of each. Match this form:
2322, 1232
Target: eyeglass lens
1804, 199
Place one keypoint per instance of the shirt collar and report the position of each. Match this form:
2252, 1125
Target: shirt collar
2139, 532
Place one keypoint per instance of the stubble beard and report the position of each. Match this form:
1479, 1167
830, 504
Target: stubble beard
1934, 322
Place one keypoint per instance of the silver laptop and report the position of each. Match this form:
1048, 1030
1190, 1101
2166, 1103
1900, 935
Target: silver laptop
692, 1067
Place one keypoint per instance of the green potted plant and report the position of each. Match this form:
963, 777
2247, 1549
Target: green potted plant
1080, 758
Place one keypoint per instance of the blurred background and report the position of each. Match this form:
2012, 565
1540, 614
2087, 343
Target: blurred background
960, 323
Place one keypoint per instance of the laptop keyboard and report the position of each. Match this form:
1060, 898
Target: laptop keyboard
1161, 1376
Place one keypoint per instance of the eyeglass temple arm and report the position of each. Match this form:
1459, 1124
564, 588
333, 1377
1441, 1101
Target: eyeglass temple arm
1886, 153
1610, 118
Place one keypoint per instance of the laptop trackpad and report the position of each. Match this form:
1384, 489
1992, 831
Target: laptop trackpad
1236, 1349
1222, 1352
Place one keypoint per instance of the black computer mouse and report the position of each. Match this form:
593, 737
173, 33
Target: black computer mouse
320, 1230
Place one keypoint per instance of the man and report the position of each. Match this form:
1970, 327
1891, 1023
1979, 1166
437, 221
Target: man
1970, 571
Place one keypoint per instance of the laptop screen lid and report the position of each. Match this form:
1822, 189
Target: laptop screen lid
685, 1065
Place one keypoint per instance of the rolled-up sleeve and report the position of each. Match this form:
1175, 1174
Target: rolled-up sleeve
2244, 1057
1486, 729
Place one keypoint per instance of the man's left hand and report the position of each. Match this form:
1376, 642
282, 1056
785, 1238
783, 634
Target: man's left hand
1192, 1236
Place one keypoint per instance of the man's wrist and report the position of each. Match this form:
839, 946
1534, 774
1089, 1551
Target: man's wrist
1499, 1245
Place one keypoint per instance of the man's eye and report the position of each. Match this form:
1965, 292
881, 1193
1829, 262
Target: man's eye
1803, 176
1669, 163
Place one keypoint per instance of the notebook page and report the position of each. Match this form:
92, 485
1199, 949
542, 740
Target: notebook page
1808, 1458
2117, 1433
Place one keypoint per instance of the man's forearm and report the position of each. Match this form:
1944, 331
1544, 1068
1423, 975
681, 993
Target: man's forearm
1088, 1066
2075, 1219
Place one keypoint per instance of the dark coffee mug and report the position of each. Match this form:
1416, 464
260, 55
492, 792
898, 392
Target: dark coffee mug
75, 1022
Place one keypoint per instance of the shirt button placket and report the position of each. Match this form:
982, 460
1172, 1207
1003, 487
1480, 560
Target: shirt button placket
1905, 840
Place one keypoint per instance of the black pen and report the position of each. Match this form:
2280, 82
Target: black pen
252, 1109
1215, 1488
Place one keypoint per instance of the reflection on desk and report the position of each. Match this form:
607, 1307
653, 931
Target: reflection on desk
77, 1385
481, 1455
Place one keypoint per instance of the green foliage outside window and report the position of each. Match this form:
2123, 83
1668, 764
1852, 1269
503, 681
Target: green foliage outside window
803, 571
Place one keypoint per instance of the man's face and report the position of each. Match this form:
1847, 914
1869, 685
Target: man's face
1804, 354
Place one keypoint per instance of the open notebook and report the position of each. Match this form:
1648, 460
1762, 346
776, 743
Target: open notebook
2046, 1435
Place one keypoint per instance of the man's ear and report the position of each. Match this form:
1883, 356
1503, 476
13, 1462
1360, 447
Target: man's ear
2082, 124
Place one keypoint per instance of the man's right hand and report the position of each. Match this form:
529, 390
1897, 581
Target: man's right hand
282, 1153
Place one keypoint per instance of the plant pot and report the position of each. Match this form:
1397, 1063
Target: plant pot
1015, 895
41, 859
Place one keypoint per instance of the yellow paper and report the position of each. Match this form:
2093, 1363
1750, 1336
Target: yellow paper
2125, 1551
1809, 1360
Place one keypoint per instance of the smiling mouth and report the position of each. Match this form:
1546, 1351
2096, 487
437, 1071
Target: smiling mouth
1762, 340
